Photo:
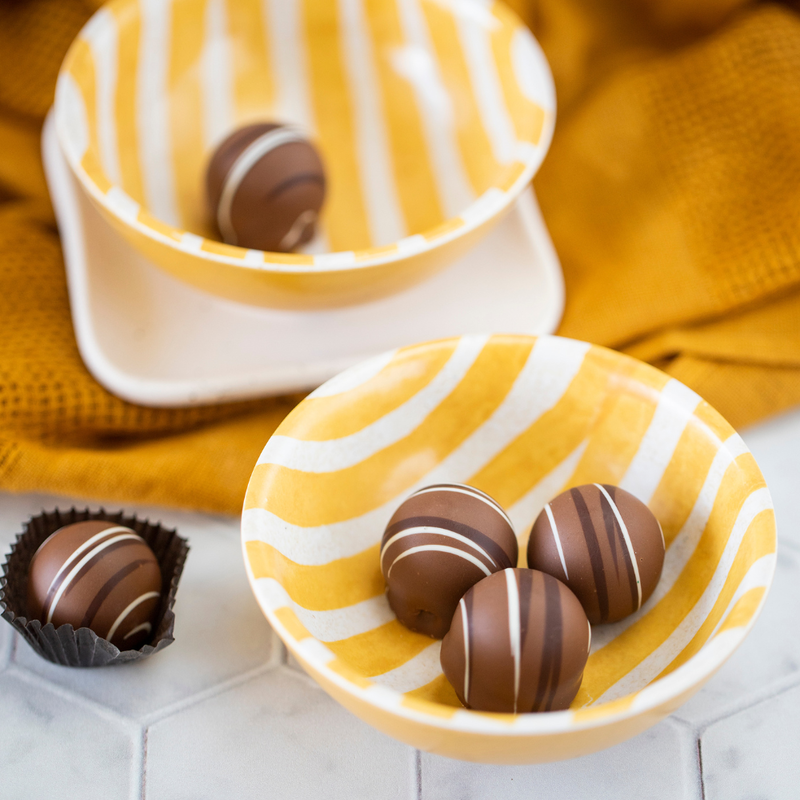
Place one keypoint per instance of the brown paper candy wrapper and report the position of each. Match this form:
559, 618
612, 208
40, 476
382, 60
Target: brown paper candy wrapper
83, 647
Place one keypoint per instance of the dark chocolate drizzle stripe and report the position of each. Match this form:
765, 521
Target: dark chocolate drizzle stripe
99, 557
481, 539
624, 547
525, 582
611, 526
544, 662
595, 556
470, 640
469, 490
555, 635
106, 589
303, 177
56, 584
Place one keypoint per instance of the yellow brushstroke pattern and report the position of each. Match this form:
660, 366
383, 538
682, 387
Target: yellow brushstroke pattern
345, 212
321, 498
473, 140
608, 405
382, 649
333, 417
527, 117
125, 108
253, 81
187, 31
417, 188
253, 86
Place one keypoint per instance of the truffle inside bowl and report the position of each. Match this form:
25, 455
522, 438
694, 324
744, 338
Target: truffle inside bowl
431, 117
521, 419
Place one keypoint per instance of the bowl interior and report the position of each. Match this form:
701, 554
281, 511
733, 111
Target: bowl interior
421, 108
522, 419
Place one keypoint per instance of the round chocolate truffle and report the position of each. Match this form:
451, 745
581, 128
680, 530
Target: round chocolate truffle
519, 642
442, 540
99, 575
266, 185
605, 544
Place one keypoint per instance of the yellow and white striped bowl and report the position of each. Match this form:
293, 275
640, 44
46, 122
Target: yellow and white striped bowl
431, 115
522, 419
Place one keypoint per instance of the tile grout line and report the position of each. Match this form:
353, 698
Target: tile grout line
143, 782
418, 771
207, 694
99, 709
778, 688
136, 766
700, 767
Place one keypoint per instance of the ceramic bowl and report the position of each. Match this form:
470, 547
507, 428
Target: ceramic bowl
522, 419
431, 116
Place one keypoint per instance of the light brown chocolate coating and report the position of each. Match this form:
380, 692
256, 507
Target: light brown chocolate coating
274, 202
440, 542
613, 568
99, 575
518, 643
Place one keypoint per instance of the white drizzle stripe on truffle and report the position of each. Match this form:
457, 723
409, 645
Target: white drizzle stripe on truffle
306, 218
661, 531
77, 568
628, 542
80, 549
438, 532
119, 620
247, 159
439, 548
465, 626
554, 528
514, 632
589, 646
145, 626
470, 491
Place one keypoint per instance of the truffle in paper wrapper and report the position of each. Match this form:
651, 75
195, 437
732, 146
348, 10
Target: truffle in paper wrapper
83, 647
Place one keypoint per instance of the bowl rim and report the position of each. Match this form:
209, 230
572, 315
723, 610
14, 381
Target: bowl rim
658, 698
484, 209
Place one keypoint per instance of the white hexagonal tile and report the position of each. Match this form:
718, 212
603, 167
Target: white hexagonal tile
54, 747
776, 447
220, 633
661, 762
768, 657
274, 736
754, 754
294, 664
7, 642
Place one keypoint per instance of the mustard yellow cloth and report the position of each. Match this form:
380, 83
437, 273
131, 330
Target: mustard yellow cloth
672, 192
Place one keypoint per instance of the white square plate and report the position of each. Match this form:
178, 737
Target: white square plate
156, 341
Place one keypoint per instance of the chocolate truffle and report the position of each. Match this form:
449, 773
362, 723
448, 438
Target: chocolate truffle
519, 642
99, 575
265, 185
442, 540
605, 544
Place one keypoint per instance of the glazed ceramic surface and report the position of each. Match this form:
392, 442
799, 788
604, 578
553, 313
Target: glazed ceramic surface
431, 116
123, 310
522, 419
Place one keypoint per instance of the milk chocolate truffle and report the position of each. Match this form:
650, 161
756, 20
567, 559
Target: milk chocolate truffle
99, 575
442, 540
518, 643
605, 544
265, 186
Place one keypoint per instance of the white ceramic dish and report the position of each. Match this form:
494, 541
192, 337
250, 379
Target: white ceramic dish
153, 340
